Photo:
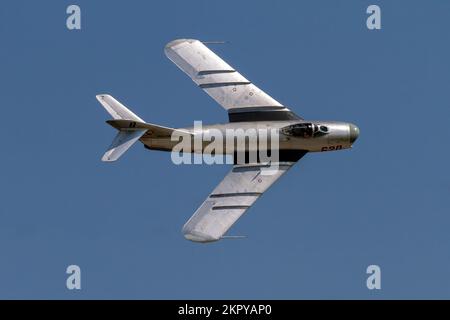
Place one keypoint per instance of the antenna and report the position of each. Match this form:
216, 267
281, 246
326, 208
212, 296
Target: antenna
214, 42
233, 237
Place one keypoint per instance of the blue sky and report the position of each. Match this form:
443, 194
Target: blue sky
312, 235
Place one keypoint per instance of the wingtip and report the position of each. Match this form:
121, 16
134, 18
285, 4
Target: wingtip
106, 158
176, 42
196, 236
101, 96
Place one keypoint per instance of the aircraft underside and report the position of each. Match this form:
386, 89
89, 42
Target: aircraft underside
264, 138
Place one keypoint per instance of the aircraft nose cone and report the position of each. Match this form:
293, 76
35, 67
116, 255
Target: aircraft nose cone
354, 133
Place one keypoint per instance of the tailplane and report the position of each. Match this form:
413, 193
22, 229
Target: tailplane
116, 109
131, 128
127, 122
121, 143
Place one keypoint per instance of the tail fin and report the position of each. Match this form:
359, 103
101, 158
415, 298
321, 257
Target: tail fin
126, 136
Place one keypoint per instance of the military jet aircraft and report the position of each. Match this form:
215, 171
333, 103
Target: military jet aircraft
247, 107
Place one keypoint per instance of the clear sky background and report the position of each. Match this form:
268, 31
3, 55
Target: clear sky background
312, 235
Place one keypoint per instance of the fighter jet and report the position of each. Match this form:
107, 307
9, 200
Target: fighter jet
248, 107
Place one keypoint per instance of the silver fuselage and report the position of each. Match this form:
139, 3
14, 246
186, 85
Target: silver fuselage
339, 135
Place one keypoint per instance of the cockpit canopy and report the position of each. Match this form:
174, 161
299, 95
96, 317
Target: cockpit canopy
305, 130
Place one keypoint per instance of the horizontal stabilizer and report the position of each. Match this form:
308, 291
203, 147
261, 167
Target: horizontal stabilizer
116, 109
121, 143
131, 128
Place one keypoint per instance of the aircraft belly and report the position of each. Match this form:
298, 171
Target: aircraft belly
163, 144
229, 147
226, 145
